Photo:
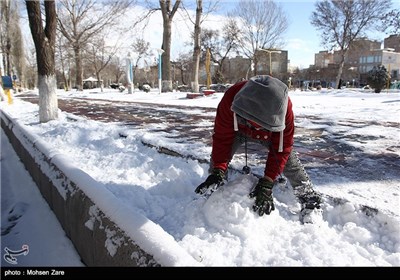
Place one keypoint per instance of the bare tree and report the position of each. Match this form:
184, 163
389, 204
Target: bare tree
196, 47
341, 22
80, 20
183, 64
11, 42
98, 55
200, 17
391, 22
116, 69
44, 39
263, 26
63, 59
31, 69
221, 46
18, 47
5, 36
141, 49
168, 13
210, 40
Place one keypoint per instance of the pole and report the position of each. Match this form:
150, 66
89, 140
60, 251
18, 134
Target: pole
129, 77
270, 59
270, 64
159, 73
208, 70
160, 52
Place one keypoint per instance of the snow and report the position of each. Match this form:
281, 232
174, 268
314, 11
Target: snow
223, 230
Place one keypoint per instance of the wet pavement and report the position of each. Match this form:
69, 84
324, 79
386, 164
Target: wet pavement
329, 151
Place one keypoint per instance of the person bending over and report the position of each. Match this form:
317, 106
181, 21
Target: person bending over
259, 110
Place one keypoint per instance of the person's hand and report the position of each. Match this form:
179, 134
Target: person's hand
264, 203
213, 181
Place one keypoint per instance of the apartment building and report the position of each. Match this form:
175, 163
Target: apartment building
393, 42
362, 56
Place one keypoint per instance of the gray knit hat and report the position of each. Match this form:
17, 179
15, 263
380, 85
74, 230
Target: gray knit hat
263, 99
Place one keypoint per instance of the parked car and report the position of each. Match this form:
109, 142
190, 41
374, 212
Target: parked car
218, 87
146, 88
115, 85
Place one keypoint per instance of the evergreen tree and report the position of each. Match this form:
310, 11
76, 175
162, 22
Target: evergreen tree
378, 77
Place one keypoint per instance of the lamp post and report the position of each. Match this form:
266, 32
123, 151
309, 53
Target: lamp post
160, 52
251, 68
270, 60
352, 69
129, 73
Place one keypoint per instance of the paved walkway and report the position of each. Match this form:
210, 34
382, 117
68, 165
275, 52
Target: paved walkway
316, 147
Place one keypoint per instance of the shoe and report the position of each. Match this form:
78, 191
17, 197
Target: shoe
310, 201
307, 196
310, 216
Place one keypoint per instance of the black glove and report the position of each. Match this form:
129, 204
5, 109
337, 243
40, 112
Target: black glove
214, 180
264, 203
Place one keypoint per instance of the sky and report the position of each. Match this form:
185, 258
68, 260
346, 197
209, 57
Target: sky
302, 39
222, 230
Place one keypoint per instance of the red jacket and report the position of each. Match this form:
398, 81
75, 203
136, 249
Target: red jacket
224, 135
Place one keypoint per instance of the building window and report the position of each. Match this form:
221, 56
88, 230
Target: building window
395, 74
368, 68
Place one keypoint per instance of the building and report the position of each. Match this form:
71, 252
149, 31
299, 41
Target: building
323, 59
393, 41
273, 62
236, 68
361, 57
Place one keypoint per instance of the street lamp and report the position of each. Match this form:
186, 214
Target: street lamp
251, 68
270, 61
352, 69
160, 52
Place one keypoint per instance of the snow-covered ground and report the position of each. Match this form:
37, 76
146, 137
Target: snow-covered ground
223, 230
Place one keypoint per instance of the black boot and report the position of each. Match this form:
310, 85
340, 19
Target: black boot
310, 201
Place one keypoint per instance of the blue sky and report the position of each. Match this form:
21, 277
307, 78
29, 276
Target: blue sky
302, 38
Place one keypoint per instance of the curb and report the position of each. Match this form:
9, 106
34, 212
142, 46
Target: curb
101, 236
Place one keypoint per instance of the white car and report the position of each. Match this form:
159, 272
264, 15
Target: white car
146, 88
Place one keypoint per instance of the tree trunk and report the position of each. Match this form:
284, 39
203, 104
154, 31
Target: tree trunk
48, 102
339, 74
44, 39
167, 14
79, 72
196, 50
166, 57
